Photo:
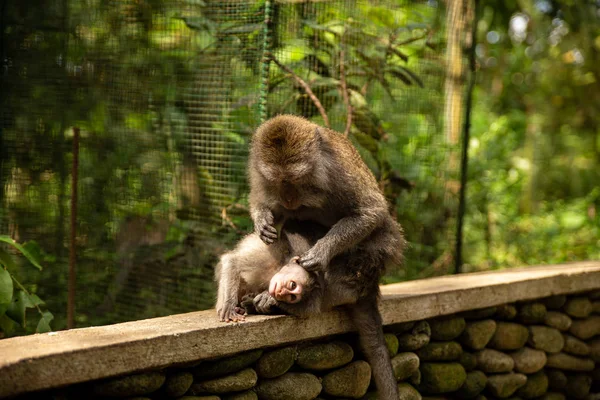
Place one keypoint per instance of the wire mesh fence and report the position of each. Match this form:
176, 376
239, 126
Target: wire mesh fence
166, 95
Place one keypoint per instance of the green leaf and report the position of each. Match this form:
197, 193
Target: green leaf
16, 310
7, 325
6, 286
44, 323
35, 300
318, 27
27, 254
6, 290
414, 76
6, 259
400, 54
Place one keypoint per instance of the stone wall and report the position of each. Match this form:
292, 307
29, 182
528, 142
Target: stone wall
543, 348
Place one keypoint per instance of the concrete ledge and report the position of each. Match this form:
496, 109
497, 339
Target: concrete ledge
61, 358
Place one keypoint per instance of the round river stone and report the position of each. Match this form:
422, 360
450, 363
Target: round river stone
325, 355
441, 377
131, 385
504, 385
493, 361
537, 385
545, 338
509, 336
444, 329
418, 337
276, 362
474, 384
440, 351
478, 334
578, 307
532, 313
290, 386
178, 383
404, 365
224, 366
558, 320
350, 381
242, 380
575, 346
528, 360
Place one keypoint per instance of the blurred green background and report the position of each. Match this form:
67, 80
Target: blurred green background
166, 95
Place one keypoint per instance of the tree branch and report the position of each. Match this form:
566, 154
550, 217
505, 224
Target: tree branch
307, 89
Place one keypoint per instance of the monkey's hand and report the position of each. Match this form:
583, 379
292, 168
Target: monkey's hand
265, 304
247, 304
315, 259
264, 226
229, 312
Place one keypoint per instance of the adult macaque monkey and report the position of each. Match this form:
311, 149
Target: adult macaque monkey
298, 169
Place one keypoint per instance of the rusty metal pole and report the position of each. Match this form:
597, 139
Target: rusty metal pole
73, 232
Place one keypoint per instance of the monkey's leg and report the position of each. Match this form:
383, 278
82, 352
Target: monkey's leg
228, 291
367, 319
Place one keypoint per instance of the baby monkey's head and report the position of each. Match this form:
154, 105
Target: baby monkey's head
291, 283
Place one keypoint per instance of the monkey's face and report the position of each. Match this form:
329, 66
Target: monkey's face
293, 185
289, 283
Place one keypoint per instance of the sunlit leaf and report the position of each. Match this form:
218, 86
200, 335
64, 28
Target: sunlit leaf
29, 256
44, 322
318, 27
414, 76
399, 75
400, 54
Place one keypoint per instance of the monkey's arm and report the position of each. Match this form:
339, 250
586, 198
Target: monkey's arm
343, 235
228, 277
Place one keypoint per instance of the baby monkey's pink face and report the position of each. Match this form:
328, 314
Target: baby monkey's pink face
288, 284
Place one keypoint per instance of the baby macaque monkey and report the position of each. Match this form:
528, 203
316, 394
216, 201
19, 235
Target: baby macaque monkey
248, 269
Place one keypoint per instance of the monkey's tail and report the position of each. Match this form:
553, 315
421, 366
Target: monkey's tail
367, 319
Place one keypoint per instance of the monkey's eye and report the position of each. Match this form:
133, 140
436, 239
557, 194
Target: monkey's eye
293, 297
292, 286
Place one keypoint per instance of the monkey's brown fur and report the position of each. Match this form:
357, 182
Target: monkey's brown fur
298, 169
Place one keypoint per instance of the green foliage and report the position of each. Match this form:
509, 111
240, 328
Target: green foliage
534, 166
15, 301
166, 97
